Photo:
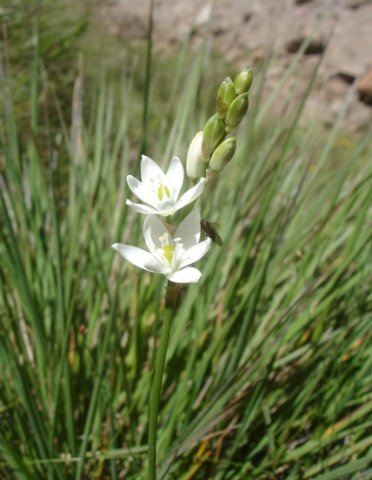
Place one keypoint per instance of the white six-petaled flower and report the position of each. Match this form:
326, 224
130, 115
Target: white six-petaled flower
169, 254
160, 191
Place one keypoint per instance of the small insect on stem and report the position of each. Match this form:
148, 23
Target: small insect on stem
210, 230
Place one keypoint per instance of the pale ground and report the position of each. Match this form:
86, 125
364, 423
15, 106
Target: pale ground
245, 31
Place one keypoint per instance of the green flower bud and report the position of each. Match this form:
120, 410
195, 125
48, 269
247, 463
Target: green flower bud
194, 157
236, 111
225, 95
223, 154
243, 80
213, 133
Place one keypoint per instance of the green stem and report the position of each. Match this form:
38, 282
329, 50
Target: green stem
156, 390
145, 119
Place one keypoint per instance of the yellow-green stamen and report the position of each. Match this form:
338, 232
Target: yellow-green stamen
163, 189
160, 193
168, 251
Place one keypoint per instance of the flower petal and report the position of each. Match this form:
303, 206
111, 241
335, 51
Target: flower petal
166, 207
150, 169
189, 229
138, 207
153, 230
191, 194
185, 275
140, 190
140, 258
193, 254
175, 175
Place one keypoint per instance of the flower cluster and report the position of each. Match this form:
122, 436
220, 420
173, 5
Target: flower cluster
171, 250
210, 150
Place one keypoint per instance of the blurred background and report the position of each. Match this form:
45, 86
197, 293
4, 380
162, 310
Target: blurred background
244, 32
268, 372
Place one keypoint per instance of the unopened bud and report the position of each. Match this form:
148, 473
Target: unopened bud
213, 133
225, 95
223, 154
194, 156
243, 80
236, 111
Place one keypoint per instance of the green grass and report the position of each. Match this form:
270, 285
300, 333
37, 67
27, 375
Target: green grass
268, 372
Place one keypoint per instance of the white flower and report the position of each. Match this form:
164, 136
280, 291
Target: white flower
169, 255
159, 190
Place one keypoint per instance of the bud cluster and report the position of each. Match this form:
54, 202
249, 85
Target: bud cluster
210, 149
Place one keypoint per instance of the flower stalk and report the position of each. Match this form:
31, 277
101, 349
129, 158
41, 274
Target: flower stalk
156, 390
175, 242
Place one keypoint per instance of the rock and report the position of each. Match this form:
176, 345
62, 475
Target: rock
354, 4
300, 2
349, 49
315, 46
345, 77
250, 32
364, 88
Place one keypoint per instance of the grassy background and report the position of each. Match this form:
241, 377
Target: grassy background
268, 373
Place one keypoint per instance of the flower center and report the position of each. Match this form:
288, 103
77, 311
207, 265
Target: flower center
167, 246
168, 252
163, 191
